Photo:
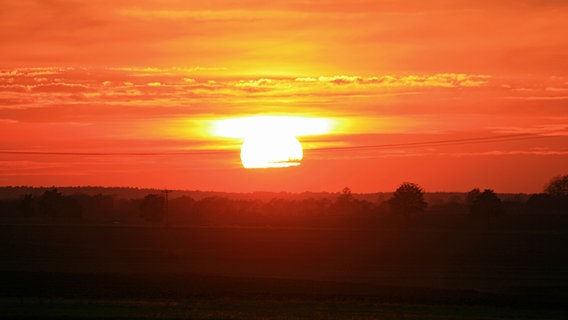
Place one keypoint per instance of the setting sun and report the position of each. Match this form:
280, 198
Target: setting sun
271, 151
271, 141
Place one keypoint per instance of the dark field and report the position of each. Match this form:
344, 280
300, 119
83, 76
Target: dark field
276, 273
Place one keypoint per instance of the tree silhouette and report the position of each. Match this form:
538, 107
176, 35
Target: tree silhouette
558, 187
540, 203
26, 206
152, 208
408, 200
51, 203
487, 204
472, 196
56, 206
344, 198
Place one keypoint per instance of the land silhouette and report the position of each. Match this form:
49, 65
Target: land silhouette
125, 252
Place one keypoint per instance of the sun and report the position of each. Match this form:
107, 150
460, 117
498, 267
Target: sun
271, 151
270, 141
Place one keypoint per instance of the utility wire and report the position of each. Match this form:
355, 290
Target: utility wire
432, 143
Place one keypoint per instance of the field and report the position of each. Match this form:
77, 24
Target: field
282, 273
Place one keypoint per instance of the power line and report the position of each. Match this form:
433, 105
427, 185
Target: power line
421, 144
434, 143
56, 153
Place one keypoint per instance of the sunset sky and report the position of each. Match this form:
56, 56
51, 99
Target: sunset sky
451, 95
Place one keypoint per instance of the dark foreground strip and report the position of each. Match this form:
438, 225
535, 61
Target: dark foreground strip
185, 286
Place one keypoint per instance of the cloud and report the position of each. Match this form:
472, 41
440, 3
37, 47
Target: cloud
172, 71
559, 129
8, 121
510, 153
255, 83
61, 88
13, 88
435, 80
152, 87
538, 98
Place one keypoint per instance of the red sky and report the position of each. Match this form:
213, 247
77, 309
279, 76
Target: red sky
122, 93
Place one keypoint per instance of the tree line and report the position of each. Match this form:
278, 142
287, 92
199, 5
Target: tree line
406, 204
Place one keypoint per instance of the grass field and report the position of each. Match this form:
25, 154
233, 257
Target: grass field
272, 273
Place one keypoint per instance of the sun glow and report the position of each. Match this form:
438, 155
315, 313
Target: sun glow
271, 141
272, 125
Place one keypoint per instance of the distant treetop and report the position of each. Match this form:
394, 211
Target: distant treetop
408, 199
558, 187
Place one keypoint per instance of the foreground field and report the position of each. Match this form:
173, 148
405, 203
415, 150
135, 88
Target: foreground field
258, 309
248, 273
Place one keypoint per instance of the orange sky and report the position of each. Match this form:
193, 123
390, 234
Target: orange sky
101, 93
